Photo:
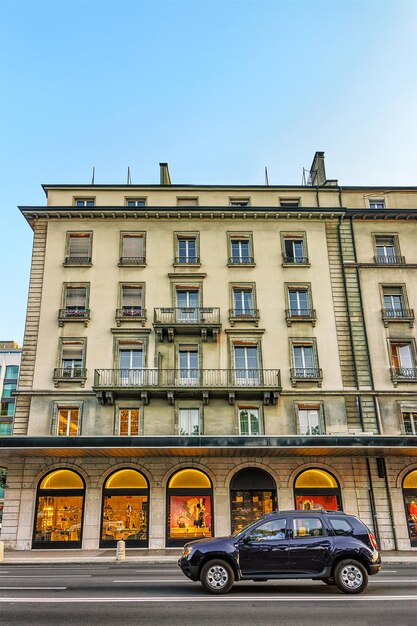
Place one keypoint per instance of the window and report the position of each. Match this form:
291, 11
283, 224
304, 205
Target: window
129, 422
295, 250
303, 360
188, 305
393, 301
299, 301
131, 300
132, 250
131, 365
187, 250
8, 389
12, 371
249, 421
409, 420
376, 203
135, 202
189, 507
246, 365
387, 250
68, 421
243, 303
309, 420
238, 202
341, 527
72, 359
403, 359
75, 301
78, 249
7, 408
289, 202
189, 372
187, 201
307, 527
241, 249
85, 201
189, 422
274, 530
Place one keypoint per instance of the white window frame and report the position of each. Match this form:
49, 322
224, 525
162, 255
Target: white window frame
242, 408
316, 408
186, 412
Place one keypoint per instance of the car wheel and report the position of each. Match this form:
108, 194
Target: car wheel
351, 576
328, 581
217, 576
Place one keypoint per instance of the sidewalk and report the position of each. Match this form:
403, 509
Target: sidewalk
140, 556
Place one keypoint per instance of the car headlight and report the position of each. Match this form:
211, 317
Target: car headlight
185, 551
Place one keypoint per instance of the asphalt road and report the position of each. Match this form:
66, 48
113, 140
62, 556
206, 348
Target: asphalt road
112, 594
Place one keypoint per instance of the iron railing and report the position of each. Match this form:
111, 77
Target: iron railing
74, 373
181, 378
301, 373
404, 373
295, 260
389, 260
131, 312
244, 314
397, 314
305, 314
187, 315
241, 260
77, 260
187, 260
132, 260
74, 313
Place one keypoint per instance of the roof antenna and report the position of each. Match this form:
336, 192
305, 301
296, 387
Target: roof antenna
266, 177
129, 179
94, 175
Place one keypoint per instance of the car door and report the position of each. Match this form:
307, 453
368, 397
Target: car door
264, 550
309, 545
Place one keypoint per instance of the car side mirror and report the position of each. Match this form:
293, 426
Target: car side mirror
246, 539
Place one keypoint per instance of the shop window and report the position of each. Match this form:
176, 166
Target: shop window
59, 510
410, 503
252, 494
316, 489
189, 507
125, 511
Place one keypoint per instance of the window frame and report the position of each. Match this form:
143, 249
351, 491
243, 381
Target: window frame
407, 407
78, 233
120, 316
244, 317
245, 199
136, 199
178, 410
84, 199
396, 376
243, 406
399, 259
62, 342
306, 342
140, 234
65, 405
192, 234
240, 236
289, 203
289, 316
294, 236
299, 405
377, 200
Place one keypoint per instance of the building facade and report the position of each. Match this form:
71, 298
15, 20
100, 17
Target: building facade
196, 356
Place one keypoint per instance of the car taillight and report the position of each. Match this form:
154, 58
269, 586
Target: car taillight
373, 540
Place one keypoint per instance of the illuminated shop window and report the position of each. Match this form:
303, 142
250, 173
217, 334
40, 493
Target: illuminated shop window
189, 506
59, 510
125, 509
315, 489
410, 503
252, 494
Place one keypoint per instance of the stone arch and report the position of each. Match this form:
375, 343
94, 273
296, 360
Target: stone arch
188, 465
403, 473
129, 465
47, 469
248, 465
306, 466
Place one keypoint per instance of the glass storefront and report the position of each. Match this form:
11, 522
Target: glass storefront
59, 511
125, 511
252, 494
189, 507
315, 489
410, 503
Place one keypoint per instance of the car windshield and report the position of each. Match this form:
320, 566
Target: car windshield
244, 529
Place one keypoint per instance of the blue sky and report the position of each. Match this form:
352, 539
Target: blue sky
219, 89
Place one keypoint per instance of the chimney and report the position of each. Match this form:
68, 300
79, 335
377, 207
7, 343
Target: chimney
317, 170
164, 177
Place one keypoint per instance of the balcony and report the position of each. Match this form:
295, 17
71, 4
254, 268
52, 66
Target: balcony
403, 375
295, 260
74, 314
131, 314
389, 260
132, 260
189, 383
397, 315
243, 315
70, 375
169, 321
187, 260
241, 260
77, 260
300, 315
306, 375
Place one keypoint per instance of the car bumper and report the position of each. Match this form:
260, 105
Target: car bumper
191, 571
374, 569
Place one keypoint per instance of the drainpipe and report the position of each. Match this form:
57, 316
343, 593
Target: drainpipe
391, 508
372, 502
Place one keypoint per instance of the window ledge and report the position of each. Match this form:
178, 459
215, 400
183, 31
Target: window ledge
296, 264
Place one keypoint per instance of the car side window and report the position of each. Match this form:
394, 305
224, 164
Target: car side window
307, 527
341, 526
270, 531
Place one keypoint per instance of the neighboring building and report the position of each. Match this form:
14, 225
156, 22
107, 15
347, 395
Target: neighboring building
195, 356
10, 354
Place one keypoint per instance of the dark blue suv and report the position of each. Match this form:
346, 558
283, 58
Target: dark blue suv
321, 545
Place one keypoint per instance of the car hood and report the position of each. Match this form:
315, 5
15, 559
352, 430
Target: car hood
216, 541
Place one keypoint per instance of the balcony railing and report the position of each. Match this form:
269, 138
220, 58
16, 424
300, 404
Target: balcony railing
300, 315
67, 374
187, 260
182, 378
295, 260
306, 374
131, 314
241, 260
74, 314
404, 374
78, 260
389, 260
132, 260
243, 315
397, 315
187, 315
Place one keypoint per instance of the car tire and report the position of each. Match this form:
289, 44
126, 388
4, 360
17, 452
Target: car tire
217, 576
329, 581
351, 576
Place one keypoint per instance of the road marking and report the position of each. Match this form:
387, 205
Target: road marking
26, 588
156, 580
211, 598
388, 571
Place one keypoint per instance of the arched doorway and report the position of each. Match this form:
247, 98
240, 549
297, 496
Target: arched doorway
189, 507
59, 510
410, 503
252, 494
125, 509
316, 488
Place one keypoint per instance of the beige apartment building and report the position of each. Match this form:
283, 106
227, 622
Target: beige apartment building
196, 356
